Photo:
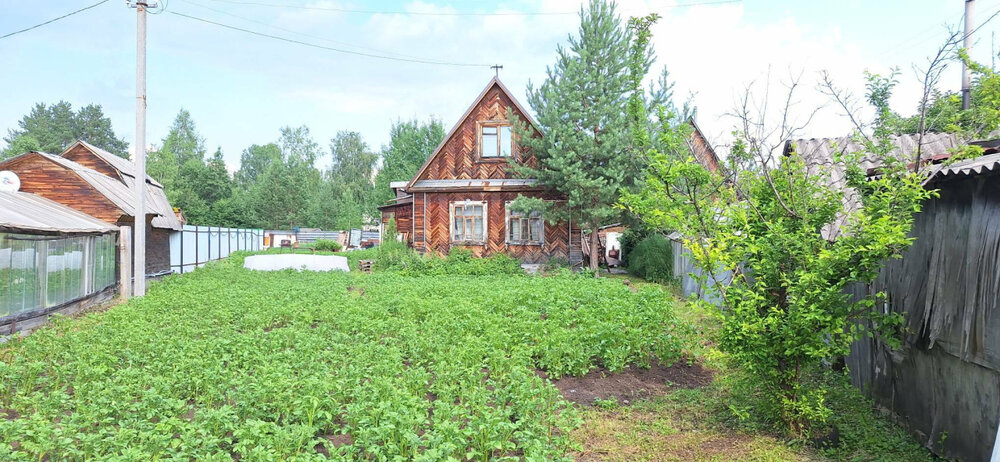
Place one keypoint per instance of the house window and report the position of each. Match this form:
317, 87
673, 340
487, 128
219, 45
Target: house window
495, 140
525, 228
468, 222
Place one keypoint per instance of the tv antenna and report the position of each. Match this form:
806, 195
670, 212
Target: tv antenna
496, 68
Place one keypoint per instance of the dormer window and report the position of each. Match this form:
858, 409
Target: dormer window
495, 140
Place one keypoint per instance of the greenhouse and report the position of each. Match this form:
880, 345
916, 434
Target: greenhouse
52, 258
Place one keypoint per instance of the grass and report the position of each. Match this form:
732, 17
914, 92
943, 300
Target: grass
223, 362
697, 424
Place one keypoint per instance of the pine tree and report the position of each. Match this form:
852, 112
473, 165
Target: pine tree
54, 128
586, 153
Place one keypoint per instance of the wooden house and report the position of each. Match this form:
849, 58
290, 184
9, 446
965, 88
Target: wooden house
100, 184
459, 198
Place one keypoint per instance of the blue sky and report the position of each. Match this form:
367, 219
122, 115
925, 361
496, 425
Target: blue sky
241, 88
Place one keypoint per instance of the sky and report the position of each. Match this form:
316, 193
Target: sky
241, 89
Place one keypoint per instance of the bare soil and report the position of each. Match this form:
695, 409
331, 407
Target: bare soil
633, 383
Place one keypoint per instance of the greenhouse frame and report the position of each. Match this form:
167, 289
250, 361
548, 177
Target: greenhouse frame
52, 259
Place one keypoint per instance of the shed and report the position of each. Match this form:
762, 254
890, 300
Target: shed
53, 259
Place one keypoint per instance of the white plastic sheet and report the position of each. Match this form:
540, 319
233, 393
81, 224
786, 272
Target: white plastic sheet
296, 262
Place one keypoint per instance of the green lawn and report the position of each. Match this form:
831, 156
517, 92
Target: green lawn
223, 363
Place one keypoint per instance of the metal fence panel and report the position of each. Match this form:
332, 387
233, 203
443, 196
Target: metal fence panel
194, 246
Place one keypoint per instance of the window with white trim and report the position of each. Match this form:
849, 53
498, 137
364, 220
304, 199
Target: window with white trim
495, 140
525, 228
468, 222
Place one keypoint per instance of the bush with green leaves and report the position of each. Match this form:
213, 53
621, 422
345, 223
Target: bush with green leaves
327, 245
782, 229
225, 363
653, 259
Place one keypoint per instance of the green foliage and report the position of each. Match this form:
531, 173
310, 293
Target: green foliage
346, 198
653, 259
410, 144
944, 112
779, 223
586, 153
224, 363
54, 128
327, 245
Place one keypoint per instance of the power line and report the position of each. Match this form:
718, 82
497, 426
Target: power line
430, 13
322, 47
53, 20
301, 33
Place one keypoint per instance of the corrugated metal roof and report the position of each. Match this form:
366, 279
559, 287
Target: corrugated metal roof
968, 167
121, 193
821, 151
475, 183
27, 212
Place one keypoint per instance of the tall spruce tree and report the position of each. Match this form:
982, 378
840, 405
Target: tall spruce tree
587, 153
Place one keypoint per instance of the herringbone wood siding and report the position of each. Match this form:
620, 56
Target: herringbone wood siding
437, 240
459, 158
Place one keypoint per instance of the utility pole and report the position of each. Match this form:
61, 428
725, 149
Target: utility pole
970, 7
139, 222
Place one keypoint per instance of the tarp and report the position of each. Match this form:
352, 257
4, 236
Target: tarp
296, 262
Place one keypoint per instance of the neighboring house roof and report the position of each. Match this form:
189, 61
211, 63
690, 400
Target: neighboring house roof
26, 212
125, 166
494, 81
119, 191
396, 202
702, 148
474, 184
821, 151
156, 197
989, 163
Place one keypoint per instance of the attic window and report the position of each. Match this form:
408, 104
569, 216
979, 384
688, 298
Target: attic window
495, 140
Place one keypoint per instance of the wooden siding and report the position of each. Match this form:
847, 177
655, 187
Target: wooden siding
81, 155
54, 182
403, 213
458, 158
433, 235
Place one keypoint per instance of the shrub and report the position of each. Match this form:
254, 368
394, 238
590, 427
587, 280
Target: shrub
327, 245
652, 259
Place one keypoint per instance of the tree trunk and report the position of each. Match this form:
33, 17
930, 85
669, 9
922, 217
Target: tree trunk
594, 241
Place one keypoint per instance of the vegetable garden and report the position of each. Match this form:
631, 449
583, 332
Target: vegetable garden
223, 363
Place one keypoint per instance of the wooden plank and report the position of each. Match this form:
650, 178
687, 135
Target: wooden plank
125, 262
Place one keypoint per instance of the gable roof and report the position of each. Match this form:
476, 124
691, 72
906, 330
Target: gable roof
118, 191
495, 81
123, 166
21, 211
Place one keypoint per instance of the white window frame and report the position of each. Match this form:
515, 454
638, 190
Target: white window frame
451, 222
528, 219
499, 125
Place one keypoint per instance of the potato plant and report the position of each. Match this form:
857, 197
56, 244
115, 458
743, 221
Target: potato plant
225, 363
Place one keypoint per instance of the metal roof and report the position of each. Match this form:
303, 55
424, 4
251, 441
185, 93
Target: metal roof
475, 183
120, 193
398, 184
125, 166
23, 211
968, 167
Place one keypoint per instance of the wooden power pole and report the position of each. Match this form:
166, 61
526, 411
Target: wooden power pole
970, 8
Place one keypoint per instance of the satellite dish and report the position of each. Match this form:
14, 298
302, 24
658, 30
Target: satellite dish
9, 181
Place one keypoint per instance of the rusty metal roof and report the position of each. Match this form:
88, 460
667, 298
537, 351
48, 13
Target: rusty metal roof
21, 211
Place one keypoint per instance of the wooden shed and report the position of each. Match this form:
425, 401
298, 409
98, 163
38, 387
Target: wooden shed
104, 192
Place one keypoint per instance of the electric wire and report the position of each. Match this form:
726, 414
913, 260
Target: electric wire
323, 47
292, 31
53, 20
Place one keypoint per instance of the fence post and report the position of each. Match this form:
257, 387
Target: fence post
125, 262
